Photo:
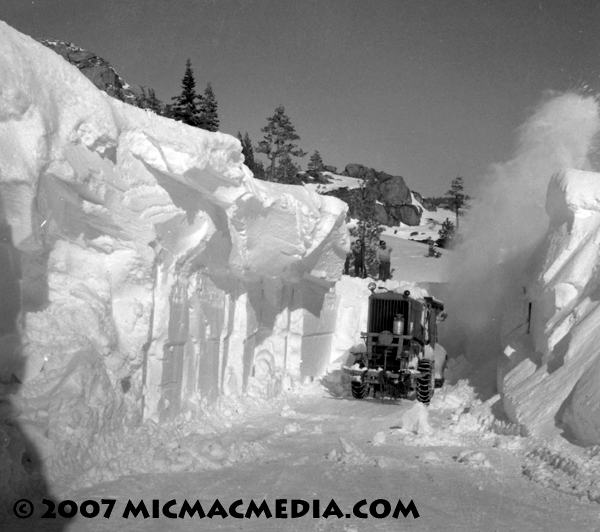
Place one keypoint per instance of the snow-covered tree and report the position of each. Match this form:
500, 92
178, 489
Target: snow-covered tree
186, 106
209, 119
278, 140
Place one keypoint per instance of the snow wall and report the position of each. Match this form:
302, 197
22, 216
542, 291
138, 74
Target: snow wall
549, 373
144, 273
522, 302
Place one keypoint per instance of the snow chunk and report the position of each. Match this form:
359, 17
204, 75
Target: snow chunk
416, 419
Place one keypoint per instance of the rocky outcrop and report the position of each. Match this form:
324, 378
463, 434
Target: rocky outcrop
407, 214
428, 205
97, 70
392, 189
381, 214
394, 200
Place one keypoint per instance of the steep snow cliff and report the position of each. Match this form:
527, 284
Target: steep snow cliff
144, 272
549, 374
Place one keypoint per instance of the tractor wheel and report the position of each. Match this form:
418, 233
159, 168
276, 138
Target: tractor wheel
425, 384
359, 390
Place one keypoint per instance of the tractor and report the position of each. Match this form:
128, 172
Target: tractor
402, 358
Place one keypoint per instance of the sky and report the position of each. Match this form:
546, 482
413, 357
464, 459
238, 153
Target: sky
425, 89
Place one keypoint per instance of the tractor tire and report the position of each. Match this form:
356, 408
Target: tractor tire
425, 384
359, 390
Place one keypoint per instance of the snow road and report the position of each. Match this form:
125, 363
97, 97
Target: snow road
291, 458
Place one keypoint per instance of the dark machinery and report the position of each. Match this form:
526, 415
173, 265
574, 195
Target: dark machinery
400, 357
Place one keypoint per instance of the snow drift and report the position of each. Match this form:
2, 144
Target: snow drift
144, 272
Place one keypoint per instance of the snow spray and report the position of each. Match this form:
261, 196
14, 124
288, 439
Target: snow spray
507, 222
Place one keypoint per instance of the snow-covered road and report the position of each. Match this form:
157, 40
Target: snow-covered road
286, 453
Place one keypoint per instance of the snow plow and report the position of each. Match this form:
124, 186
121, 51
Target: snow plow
402, 357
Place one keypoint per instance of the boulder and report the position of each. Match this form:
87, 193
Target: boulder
354, 170
428, 205
393, 195
407, 214
329, 168
392, 189
381, 214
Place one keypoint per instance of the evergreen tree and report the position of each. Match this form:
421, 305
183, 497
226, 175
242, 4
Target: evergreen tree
446, 233
148, 100
278, 140
368, 230
315, 164
186, 106
255, 166
209, 119
153, 103
287, 171
457, 198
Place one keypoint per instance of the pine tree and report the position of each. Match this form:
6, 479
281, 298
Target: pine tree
186, 106
446, 233
457, 198
209, 119
255, 166
315, 164
278, 140
368, 230
287, 171
153, 103
149, 101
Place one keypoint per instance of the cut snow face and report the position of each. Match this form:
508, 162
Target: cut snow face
549, 371
507, 221
524, 295
144, 272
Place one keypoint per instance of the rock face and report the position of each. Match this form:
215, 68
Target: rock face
97, 70
407, 214
549, 376
392, 189
428, 205
145, 274
394, 197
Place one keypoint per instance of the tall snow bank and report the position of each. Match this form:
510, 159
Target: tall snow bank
507, 222
549, 374
146, 272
